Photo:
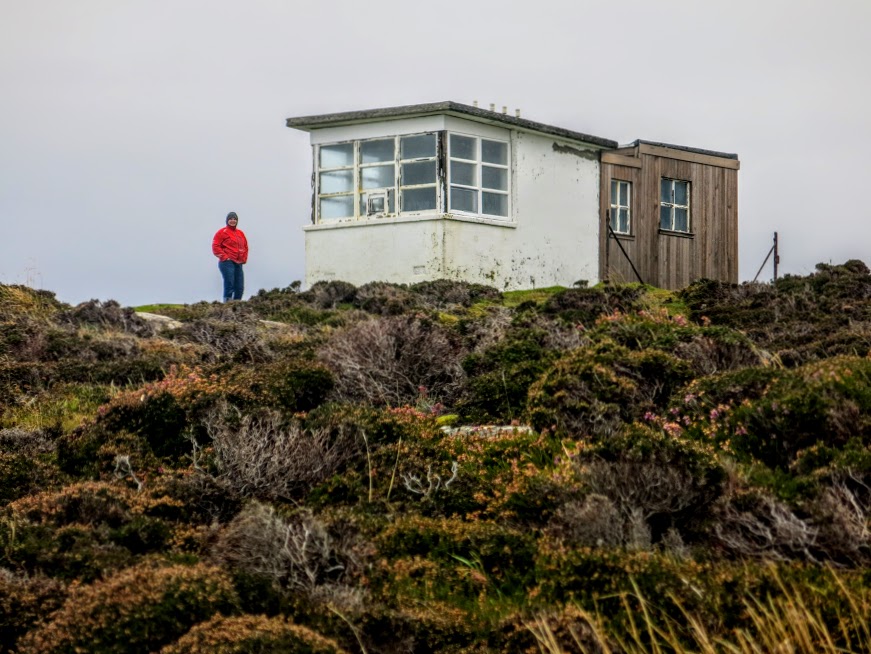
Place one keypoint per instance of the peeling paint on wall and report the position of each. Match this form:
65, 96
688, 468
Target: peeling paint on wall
583, 154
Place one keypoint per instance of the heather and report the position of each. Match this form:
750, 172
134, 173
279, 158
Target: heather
441, 467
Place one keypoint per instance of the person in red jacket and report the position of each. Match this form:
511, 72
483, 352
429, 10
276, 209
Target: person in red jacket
231, 248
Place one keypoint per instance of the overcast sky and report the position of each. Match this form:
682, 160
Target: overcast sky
129, 128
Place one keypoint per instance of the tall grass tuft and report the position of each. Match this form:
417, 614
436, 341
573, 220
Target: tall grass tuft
786, 623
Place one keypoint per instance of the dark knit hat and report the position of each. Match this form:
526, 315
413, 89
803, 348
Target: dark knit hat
232, 214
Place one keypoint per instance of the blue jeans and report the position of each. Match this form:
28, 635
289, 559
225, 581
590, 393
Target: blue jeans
234, 279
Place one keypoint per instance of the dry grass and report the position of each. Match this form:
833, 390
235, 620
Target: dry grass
786, 624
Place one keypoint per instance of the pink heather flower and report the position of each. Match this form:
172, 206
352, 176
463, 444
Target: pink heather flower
649, 415
741, 431
714, 414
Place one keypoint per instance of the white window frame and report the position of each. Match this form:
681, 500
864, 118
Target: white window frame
319, 171
616, 206
478, 187
672, 205
357, 193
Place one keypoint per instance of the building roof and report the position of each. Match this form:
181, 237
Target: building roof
309, 123
710, 153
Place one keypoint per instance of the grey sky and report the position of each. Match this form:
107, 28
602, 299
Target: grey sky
129, 128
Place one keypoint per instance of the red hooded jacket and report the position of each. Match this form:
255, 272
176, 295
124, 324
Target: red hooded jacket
230, 243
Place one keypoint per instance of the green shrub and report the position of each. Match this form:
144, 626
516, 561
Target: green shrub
138, 609
157, 417
329, 295
296, 385
585, 305
770, 416
27, 464
651, 475
430, 627
442, 559
445, 293
499, 377
84, 529
591, 391
598, 579
385, 299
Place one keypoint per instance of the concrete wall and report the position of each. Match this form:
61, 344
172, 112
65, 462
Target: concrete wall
551, 237
402, 251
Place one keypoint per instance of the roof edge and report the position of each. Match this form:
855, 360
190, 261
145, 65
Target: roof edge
309, 123
683, 148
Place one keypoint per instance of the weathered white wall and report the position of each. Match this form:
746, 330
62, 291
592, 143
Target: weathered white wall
551, 238
405, 250
556, 206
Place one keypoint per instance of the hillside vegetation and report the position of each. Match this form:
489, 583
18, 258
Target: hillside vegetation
441, 468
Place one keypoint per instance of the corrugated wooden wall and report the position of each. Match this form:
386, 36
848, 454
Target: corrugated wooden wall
669, 259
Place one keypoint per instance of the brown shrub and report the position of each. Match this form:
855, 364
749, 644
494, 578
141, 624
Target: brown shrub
592, 522
237, 338
24, 601
265, 455
139, 609
843, 519
756, 525
245, 634
107, 314
391, 361
298, 553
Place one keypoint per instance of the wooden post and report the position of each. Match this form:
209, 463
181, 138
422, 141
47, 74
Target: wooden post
776, 256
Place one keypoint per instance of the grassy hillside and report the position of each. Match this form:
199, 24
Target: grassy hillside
441, 468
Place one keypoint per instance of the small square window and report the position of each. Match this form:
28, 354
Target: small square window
621, 210
674, 205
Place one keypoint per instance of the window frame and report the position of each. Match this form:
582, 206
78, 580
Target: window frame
319, 197
357, 193
478, 187
673, 205
613, 214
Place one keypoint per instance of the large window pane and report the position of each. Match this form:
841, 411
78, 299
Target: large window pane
420, 172
464, 173
624, 194
613, 192
496, 178
681, 220
375, 151
665, 190
681, 193
664, 217
623, 222
337, 181
494, 152
463, 147
417, 147
418, 199
462, 199
495, 204
334, 156
339, 207
377, 176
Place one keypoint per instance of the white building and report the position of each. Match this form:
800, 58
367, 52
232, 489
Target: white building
446, 190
